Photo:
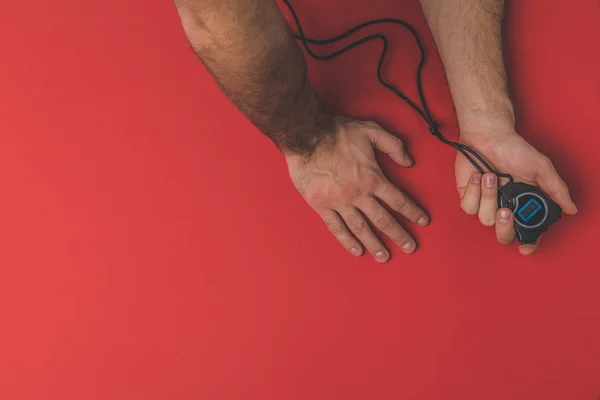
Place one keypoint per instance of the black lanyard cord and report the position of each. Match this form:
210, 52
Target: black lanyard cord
424, 113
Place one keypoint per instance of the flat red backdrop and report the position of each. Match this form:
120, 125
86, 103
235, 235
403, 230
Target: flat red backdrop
153, 247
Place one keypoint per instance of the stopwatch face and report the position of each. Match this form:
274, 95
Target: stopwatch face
530, 210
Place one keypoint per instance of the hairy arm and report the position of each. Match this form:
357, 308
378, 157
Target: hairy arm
252, 54
468, 35
249, 49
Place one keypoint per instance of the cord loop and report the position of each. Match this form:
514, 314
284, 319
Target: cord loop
471, 155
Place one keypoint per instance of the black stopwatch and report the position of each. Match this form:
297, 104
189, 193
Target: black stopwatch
533, 211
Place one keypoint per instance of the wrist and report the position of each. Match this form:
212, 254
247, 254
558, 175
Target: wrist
302, 142
485, 120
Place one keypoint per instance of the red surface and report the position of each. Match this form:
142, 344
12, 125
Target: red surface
153, 247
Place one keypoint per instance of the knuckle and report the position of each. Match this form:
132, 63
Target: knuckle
351, 191
384, 223
358, 225
547, 163
370, 180
316, 199
335, 228
396, 143
374, 177
399, 202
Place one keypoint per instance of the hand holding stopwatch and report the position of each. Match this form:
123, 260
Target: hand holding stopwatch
533, 211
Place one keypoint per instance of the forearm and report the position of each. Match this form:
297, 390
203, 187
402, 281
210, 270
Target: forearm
248, 48
468, 34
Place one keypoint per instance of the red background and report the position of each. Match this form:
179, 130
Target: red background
153, 247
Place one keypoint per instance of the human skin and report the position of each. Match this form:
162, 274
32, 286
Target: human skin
250, 51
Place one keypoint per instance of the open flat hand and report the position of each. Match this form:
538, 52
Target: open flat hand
344, 184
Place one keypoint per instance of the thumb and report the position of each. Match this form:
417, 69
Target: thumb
389, 144
552, 183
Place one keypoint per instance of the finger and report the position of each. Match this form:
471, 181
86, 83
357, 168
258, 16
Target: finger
384, 221
528, 249
361, 229
488, 206
337, 227
401, 203
505, 226
472, 195
389, 144
557, 189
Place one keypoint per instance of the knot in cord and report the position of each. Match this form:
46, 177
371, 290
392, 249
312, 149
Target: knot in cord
433, 128
470, 154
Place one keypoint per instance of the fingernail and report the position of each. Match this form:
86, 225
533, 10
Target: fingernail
409, 247
490, 180
409, 159
423, 221
355, 251
381, 256
476, 178
504, 216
